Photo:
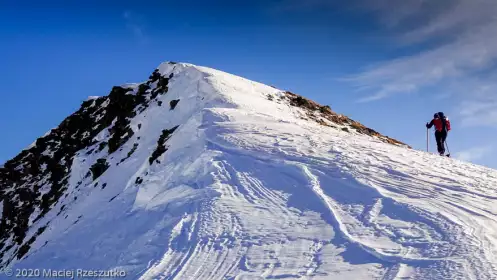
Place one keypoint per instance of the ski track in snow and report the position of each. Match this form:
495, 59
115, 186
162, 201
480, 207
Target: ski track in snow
247, 190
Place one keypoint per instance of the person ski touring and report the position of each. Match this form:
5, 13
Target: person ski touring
442, 127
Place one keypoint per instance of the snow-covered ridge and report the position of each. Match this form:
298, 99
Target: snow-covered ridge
200, 174
311, 110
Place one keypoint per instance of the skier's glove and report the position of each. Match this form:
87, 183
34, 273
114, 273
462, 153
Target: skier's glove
427, 125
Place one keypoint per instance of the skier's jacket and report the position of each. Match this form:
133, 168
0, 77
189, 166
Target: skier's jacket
441, 124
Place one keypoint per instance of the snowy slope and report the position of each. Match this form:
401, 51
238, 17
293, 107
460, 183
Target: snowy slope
253, 187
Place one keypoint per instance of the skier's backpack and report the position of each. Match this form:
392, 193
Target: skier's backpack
444, 121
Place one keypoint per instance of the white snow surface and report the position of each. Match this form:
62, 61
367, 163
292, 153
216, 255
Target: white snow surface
249, 190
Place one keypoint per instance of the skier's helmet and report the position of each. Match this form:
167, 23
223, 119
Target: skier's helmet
435, 116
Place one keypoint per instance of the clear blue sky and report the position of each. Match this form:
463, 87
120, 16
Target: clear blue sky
405, 60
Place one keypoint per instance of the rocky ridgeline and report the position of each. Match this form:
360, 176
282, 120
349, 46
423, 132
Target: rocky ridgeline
33, 181
320, 113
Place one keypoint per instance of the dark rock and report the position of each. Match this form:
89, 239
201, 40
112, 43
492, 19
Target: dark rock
154, 76
133, 149
102, 146
161, 148
99, 167
173, 103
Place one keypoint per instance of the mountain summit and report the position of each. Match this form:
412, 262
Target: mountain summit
200, 174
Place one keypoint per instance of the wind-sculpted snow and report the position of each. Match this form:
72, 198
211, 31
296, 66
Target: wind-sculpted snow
248, 188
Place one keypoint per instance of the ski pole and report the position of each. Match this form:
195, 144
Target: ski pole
447, 145
427, 140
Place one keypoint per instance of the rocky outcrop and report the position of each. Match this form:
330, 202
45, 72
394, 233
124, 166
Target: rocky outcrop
33, 181
319, 112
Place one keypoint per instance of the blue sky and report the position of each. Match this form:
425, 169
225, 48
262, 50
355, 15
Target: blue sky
388, 64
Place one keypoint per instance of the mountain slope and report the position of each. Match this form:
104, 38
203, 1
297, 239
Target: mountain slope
199, 174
